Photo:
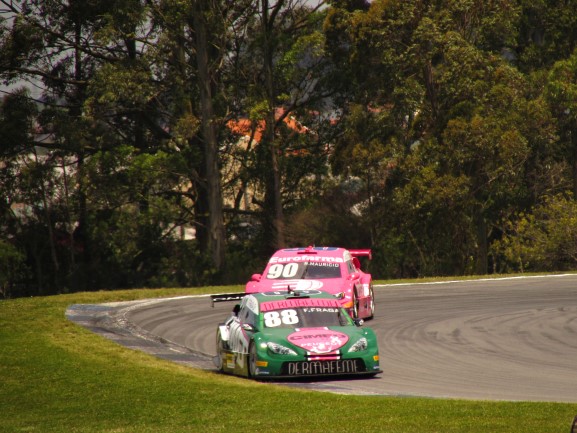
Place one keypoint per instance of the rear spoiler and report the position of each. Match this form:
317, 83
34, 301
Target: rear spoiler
362, 253
225, 297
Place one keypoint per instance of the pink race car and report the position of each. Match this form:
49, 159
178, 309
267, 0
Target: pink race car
330, 269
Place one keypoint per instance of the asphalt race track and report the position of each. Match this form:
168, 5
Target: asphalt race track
507, 339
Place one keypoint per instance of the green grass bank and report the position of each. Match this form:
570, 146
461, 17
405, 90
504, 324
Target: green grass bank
56, 376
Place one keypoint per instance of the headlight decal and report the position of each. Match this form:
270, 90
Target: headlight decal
360, 345
280, 349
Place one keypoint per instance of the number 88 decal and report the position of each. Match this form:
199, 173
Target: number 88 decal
273, 319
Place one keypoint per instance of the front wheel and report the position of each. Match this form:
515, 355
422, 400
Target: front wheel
355, 306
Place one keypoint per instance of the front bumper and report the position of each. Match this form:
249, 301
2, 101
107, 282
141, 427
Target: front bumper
360, 366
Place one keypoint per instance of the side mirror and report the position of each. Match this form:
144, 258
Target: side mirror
256, 277
359, 322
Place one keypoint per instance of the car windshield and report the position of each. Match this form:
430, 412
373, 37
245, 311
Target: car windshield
303, 271
305, 317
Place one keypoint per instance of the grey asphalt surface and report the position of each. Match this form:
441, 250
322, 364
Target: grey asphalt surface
507, 339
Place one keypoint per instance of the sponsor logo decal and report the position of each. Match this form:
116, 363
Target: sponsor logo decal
251, 303
229, 360
324, 265
296, 303
318, 340
303, 258
342, 366
298, 284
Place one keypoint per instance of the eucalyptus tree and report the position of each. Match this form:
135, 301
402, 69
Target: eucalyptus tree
547, 33
286, 75
46, 45
454, 133
194, 61
17, 113
561, 92
99, 100
542, 239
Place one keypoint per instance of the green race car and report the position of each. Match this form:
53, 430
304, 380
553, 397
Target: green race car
292, 333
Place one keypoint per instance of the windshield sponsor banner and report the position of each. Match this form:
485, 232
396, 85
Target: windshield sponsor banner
304, 258
311, 248
296, 303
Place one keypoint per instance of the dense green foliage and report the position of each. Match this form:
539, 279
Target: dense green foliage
177, 143
57, 377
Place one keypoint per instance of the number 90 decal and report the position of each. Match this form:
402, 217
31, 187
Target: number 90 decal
272, 319
278, 270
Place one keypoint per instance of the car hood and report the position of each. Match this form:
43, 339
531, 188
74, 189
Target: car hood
318, 340
331, 285
322, 340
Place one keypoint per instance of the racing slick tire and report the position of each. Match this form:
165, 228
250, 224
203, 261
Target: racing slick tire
372, 304
219, 352
355, 306
252, 357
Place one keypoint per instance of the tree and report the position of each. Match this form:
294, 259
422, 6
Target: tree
543, 239
420, 129
12, 269
211, 147
456, 135
561, 92
547, 33
97, 96
286, 84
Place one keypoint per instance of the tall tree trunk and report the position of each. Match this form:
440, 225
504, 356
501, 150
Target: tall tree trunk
216, 233
78, 278
482, 263
273, 199
274, 216
574, 147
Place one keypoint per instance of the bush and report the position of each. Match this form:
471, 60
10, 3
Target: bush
12, 268
542, 240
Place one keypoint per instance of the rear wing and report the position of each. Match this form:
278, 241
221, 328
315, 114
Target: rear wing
225, 297
361, 253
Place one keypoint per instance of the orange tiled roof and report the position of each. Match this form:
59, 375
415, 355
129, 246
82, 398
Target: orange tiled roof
245, 127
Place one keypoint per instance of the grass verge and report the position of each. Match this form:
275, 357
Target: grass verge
56, 376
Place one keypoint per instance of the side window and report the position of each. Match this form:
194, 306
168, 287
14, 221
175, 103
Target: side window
247, 316
350, 267
243, 314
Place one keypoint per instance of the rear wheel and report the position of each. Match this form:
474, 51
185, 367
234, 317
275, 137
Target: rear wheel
219, 352
372, 304
252, 357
